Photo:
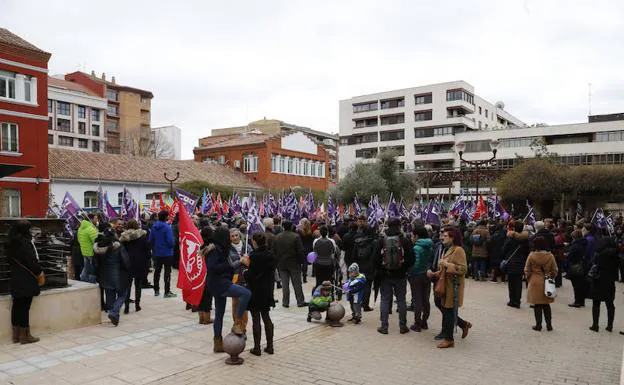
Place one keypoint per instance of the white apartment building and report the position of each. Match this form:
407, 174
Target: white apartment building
167, 142
75, 117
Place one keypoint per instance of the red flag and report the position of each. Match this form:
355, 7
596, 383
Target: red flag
175, 208
481, 209
153, 209
192, 272
217, 205
225, 207
162, 202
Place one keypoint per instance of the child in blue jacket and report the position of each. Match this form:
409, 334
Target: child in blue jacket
354, 288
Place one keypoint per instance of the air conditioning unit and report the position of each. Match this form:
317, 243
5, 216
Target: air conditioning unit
237, 164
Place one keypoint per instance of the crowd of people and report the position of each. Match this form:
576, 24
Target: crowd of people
349, 258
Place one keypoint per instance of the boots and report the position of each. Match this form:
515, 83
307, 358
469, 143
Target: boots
16, 334
465, 329
548, 317
446, 344
537, 311
238, 328
218, 345
610, 318
25, 337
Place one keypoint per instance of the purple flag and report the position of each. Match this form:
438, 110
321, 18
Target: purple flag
206, 206
109, 211
188, 199
357, 207
393, 209
70, 210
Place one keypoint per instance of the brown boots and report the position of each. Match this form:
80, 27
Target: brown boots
204, 318
238, 328
25, 337
218, 345
465, 329
446, 344
16, 334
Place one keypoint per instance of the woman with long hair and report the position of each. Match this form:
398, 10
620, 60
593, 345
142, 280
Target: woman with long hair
307, 238
26, 272
539, 265
220, 272
453, 267
259, 278
603, 284
326, 251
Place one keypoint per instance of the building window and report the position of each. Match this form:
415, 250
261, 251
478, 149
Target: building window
83, 143
144, 100
273, 163
50, 124
393, 119
90, 199
610, 136
11, 202
423, 98
420, 116
82, 112
363, 107
250, 163
392, 135
66, 141
460, 94
297, 164
10, 137
50, 104
357, 139
439, 131
306, 168
95, 114
366, 153
399, 150
369, 122
63, 125
27, 90
95, 130
120, 198
290, 165
96, 146
112, 124
282, 164
112, 109
82, 128
479, 124
486, 113
480, 111
63, 108
7, 85
321, 169
50, 139
111, 95
392, 103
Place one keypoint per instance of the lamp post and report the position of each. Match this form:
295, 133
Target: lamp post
461, 146
171, 182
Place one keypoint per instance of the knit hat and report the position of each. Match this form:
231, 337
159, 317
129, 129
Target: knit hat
326, 285
354, 268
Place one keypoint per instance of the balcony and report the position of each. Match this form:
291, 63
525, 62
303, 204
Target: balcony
462, 105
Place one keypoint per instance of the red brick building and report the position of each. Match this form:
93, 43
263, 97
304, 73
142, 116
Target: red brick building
24, 178
276, 161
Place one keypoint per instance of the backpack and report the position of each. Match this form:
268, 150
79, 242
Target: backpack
325, 250
476, 240
392, 253
363, 251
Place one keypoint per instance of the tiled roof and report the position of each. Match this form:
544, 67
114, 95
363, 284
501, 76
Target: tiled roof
224, 141
10, 38
72, 86
119, 86
68, 164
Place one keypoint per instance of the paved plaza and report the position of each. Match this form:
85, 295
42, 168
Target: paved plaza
163, 344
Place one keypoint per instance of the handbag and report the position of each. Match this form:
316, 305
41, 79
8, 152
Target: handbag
40, 278
550, 289
504, 262
575, 271
593, 274
440, 286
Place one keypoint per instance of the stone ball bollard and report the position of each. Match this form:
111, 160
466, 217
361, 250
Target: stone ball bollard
335, 313
234, 345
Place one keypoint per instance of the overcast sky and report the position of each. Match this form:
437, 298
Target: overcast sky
213, 64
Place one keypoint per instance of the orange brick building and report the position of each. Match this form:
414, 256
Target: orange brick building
275, 161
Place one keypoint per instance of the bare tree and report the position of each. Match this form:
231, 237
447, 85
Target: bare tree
147, 143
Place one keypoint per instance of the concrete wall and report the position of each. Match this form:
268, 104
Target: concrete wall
77, 189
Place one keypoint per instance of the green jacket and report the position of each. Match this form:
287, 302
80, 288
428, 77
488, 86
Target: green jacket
423, 252
86, 237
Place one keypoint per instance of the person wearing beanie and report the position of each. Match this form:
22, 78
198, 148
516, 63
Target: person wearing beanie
320, 301
354, 288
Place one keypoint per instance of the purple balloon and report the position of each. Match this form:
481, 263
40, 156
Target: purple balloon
345, 287
312, 257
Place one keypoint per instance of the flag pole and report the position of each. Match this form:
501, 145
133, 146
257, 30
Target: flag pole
593, 216
529, 213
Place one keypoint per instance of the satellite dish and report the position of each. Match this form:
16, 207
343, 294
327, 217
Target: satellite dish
500, 105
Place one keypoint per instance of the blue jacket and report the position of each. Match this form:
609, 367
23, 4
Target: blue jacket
161, 239
356, 288
423, 257
219, 271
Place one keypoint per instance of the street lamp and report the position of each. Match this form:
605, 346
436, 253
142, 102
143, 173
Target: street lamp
171, 180
461, 146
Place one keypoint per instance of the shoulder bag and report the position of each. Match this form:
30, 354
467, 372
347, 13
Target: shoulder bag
440, 286
40, 278
504, 262
550, 289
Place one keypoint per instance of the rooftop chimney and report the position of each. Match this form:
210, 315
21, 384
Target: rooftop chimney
113, 80
92, 73
103, 76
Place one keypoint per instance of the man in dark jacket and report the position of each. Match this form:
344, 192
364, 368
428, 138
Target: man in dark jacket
542, 231
395, 258
348, 243
161, 239
364, 252
288, 249
135, 240
516, 250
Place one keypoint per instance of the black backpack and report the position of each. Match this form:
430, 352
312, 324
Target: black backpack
364, 249
392, 253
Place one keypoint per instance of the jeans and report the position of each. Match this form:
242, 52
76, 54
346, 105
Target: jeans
20, 312
449, 319
420, 286
159, 262
479, 267
514, 284
356, 310
398, 286
89, 270
114, 301
138, 283
221, 300
294, 274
